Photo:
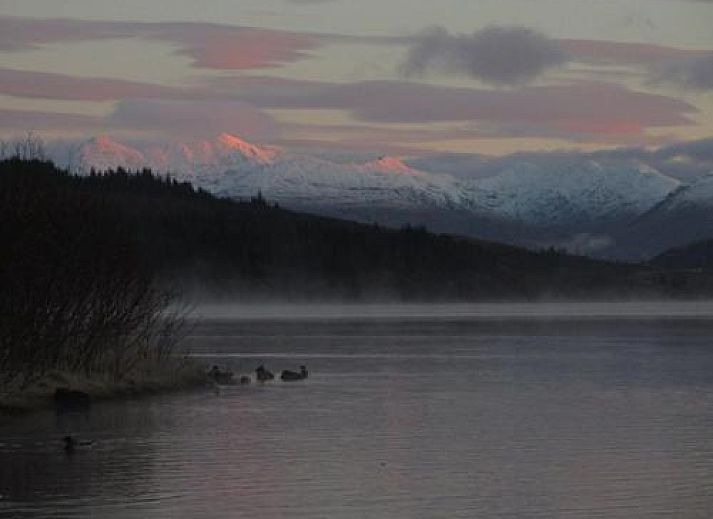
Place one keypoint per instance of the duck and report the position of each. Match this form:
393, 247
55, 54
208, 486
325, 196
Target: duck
71, 444
221, 377
290, 376
263, 375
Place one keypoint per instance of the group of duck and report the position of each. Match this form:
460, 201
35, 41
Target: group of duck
262, 374
65, 398
73, 399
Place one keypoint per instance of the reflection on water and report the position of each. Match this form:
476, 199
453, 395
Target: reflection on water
418, 417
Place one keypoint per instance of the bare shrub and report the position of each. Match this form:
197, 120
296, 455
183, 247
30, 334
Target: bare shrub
77, 294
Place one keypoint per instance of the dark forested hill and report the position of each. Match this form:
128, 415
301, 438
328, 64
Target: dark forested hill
214, 246
698, 255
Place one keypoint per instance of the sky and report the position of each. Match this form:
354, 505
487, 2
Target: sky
396, 76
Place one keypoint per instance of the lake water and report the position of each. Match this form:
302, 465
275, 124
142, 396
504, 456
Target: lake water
567, 411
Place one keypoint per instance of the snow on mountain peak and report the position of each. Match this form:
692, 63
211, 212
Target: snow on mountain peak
552, 194
556, 195
698, 193
388, 164
260, 154
183, 158
105, 144
103, 152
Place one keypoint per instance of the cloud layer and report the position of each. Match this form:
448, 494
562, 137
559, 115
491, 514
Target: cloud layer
583, 108
205, 118
685, 161
576, 111
208, 45
47, 85
149, 118
691, 74
513, 56
499, 55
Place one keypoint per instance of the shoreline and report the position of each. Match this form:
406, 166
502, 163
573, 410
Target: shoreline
562, 310
179, 376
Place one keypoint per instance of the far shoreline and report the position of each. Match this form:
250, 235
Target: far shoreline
561, 309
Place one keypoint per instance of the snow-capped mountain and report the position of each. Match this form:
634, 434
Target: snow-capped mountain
698, 194
102, 153
183, 159
306, 180
519, 200
563, 196
683, 217
230, 166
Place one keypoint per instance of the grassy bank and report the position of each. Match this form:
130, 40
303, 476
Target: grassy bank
172, 375
81, 306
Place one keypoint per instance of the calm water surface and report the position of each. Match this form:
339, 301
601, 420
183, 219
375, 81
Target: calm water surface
419, 414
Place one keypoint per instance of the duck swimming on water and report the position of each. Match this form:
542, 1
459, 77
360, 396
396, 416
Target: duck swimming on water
291, 376
221, 377
263, 375
70, 443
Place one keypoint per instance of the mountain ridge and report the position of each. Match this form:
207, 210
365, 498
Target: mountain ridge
522, 202
218, 247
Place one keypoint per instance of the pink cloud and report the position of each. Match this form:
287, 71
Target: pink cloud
229, 48
208, 45
46, 85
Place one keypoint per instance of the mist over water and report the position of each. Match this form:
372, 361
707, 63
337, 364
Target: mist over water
498, 411
555, 310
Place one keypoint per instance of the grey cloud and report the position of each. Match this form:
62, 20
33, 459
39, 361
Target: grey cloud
498, 55
691, 74
582, 111
48, 85
686, 161
164, 117
583, 107
700, 150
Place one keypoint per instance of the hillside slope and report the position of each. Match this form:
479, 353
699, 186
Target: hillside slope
574, 202
219, 247
682, 218
698, 255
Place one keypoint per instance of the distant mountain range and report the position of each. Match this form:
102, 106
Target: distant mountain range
624, 209
682, 218
119, 228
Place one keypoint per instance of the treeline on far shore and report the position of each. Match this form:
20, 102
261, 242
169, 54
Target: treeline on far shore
90, 264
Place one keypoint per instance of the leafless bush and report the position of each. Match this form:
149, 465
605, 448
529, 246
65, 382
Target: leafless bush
76, 293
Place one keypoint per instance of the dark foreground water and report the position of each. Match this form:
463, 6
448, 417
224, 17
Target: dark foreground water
432, 414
